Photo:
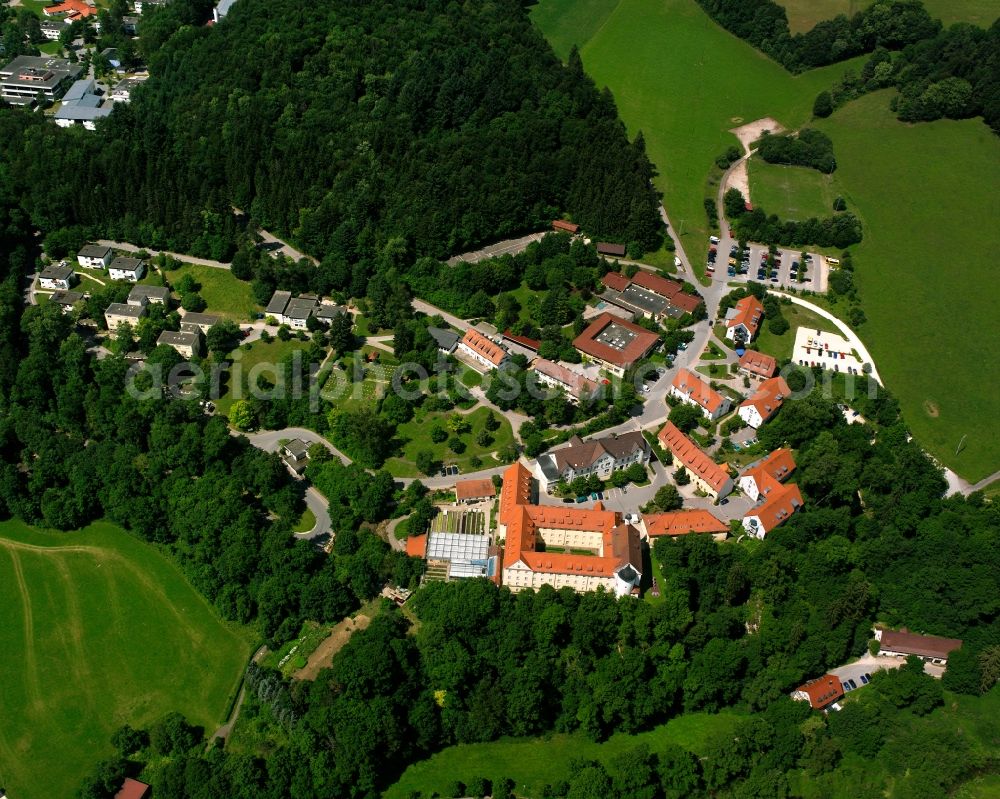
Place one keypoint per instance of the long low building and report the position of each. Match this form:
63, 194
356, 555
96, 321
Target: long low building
544, 545
903, 643
482, 351
577, 387
648, 294
706, 475
684, 522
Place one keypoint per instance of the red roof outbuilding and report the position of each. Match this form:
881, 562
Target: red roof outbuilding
132, 789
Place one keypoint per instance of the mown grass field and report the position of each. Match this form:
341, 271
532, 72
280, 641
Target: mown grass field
533, 762
261, 358
791, 192
684, 82
225, 295
927, 272
804, 14
99, 630
415, 436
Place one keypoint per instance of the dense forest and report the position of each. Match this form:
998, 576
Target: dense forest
349, 128
952, 73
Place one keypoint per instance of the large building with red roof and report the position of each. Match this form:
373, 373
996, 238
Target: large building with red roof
73, 9
649, 294
821, 692
761, 478
615, 344
778, 507
684, 522
764, 403
689, 388
484, 352
544, 544
743, 320
706, 474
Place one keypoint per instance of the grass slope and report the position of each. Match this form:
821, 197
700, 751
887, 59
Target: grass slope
260, 360
804, 14
99, 630
791, 192
927, 272
532, 762
225, 295
684, 82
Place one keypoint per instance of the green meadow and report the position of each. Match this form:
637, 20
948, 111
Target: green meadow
685, 83
224, 294
100, 630
791, 192
927, 271
534, 762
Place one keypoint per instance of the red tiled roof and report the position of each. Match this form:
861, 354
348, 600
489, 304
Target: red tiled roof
768, 397
643, 342
682, 522
694, 460
686, 302
930, 646
522, 522
579, 386
416, 546
71, 7
823, 691
772, 471
616, 281
562, 224
657, 285
474, 489
524, 341
132, 789
749, 313
690, 385
780, 504
758, 363
490, 350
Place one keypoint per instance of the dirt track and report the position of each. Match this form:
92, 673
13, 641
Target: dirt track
750, 132
332, 644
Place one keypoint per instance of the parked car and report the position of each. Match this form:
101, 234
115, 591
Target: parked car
569, 500
865, 678
713, 239
581, 499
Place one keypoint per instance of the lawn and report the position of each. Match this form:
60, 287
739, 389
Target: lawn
305, 523
781, 346
100, 630
684, 82
926, 270
804, 14
415, 436
260, 359
791, 192
49, 48
224, 294
533, 762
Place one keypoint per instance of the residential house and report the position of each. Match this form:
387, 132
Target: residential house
776, 509
122, 91
94, 256
483, 351
600, 456
562, 226
143, 295
81, 105
684, 522
65, 299
820, 693
534, 534
27, 78
118, 313
276, 307
469, 492
577, 387
615, 344
764, 403
198, 322
761, 478
298, 311
56, 277
902, 644
52, 29
689, 388
188, 345
295, 454
125, 268
133, 789
706, 475
611, 250
326, 312
743, 320
220, 11
757, 364
446, 340
130, 24
142, 6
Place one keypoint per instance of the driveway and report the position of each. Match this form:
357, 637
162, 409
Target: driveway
433, 310
273, 244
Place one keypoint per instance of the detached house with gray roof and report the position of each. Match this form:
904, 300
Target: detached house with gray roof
600, 456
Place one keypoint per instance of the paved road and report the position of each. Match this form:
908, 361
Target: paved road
275, 244
433, 310
124, 245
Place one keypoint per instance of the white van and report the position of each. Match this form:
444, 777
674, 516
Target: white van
713, 239
834, 261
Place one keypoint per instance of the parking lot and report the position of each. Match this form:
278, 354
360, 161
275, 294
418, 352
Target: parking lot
783, 275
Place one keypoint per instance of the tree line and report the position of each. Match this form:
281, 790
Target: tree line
810, 148
840, 230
